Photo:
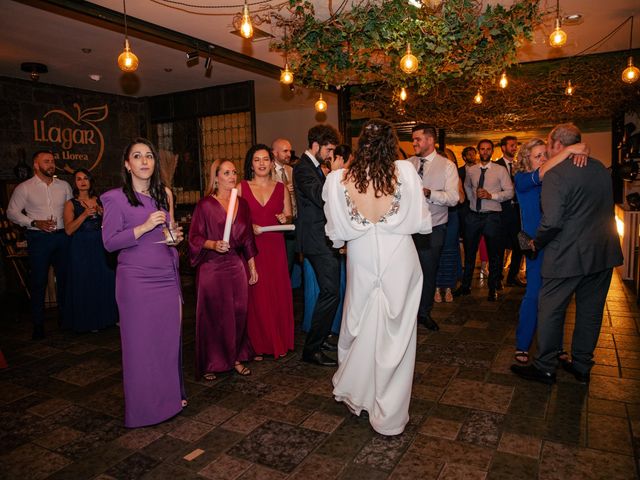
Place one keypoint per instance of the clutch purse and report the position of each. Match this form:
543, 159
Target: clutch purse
524, 241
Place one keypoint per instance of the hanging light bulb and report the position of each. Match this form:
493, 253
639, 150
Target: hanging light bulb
631, 73
557, 38
478, 98
570, 89
321, 105
409, 63
403, 94
246, 28
503, 80
127, 60
286, 75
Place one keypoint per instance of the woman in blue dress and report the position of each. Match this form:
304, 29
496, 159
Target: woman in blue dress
530, 170
90, 296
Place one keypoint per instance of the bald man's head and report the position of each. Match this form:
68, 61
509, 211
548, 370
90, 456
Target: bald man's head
282, 151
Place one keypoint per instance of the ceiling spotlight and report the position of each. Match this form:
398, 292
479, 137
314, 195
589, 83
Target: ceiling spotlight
503, 80
207, 63
572, 19
34, 69
321, 105
86, 50
192, 55
95, 77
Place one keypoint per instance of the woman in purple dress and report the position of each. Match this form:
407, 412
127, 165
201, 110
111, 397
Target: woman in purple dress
224, 272
137, 218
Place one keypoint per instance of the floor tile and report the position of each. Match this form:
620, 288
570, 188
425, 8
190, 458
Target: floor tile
525, 445
481, 396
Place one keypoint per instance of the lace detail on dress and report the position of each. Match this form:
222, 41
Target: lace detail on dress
356, 217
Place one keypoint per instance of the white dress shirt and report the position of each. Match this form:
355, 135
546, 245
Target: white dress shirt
496, 181
440, 176
39, 200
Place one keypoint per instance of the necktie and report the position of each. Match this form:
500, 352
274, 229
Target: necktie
283, 175
320, 172
421, 168
480, 185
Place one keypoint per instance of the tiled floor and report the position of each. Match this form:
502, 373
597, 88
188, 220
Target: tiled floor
61, 410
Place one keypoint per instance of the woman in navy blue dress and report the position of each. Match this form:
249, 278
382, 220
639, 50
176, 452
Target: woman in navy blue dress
91, 302
530, 169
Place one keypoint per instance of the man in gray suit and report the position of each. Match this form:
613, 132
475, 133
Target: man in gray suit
581, 247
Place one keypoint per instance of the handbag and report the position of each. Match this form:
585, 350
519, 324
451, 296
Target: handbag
524, 241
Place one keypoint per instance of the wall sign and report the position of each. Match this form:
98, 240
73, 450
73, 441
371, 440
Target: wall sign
74, 138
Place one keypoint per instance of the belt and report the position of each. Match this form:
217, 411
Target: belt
483, 214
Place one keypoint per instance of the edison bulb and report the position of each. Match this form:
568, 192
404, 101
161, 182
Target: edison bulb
570, 89
127, 60
403, 94
631, 73
557, 38
478, 98
409, 63
286, 75
321, 105
246, 29
503, 80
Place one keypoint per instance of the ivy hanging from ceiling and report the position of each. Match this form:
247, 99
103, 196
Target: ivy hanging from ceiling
364, 44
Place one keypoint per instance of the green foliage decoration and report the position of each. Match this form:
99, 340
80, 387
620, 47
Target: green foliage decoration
364, 44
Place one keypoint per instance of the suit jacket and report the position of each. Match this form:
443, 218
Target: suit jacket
577, 229
308, 182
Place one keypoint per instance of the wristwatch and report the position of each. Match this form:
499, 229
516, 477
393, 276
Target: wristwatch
33, 223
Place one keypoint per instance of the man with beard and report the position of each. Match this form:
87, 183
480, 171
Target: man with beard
284, 173
312, 242
510, 217
486, 186
440, 186
42, 198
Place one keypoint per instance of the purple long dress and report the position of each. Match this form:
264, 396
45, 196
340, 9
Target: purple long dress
222, 282
150, 302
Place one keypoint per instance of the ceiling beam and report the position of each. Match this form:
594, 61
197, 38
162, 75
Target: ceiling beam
102, 17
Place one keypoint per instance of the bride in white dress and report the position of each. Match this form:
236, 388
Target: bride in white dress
375, 205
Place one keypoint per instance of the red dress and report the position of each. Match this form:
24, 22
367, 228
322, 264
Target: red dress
270, 314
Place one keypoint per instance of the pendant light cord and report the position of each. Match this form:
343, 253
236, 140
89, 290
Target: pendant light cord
124, 8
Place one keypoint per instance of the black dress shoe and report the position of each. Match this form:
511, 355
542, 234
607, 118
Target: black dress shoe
429, 323
580, 377
516, 282
460, 291
493, 296
531, 372
321, 359
327, 346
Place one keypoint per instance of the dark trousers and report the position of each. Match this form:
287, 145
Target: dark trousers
555, 294
46, 249
429, 248
290, 245
511, 227
476, 225
327, 270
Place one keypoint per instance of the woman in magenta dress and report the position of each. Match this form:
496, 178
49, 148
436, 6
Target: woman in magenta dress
270, 316
224, 272
147, 288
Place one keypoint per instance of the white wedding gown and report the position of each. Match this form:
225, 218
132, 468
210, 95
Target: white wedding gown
377, 346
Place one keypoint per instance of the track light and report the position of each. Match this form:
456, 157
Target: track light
208, 63
192, 55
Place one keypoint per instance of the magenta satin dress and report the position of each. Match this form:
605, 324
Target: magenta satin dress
149, 302
222, 282
270, 316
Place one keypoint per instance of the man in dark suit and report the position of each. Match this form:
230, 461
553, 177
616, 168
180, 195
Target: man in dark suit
308, 180
470, 157
510, 216
581, 247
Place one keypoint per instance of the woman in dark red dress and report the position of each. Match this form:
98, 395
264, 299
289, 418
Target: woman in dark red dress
224, 272
270, 316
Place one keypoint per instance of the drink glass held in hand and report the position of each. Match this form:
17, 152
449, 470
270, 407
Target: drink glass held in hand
171, 232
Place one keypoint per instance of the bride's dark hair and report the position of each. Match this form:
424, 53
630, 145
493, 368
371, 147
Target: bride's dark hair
373, 161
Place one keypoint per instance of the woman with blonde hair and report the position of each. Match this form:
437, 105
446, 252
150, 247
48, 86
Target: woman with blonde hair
531, 166
224, 271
